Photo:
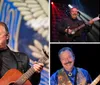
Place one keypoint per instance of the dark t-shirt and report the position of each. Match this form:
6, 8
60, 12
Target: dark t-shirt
72, 23
8, 61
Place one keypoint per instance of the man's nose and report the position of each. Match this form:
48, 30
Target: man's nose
67, 60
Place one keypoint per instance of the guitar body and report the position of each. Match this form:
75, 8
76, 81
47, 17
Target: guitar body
70, 37
78, 30
11, 76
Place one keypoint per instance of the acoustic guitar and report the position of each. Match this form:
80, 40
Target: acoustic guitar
77, 30
15, 77
96, 80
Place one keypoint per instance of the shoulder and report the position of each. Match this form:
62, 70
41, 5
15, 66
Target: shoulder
55, 74
54, 78
80, 22
20, 55
85, 72
63, 20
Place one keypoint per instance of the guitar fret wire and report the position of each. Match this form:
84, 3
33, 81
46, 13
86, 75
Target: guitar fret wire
26, 75
30, 72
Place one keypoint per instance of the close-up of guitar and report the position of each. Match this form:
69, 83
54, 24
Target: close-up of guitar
95, 82
15, 77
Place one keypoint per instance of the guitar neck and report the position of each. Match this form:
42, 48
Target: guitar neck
30, 72
96, 81
25, 76
83, 25
96, 19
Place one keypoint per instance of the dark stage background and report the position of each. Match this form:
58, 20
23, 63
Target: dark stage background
86, 56
59, 10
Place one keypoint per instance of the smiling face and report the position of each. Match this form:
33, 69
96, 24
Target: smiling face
4, 36
74, 13
67, 60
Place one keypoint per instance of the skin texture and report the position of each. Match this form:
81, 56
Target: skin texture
67, 60
3, 37
74, 13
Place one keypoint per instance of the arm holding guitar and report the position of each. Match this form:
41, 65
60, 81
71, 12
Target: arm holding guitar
35, 78
91, 22
95, 19
38, 67
68, 30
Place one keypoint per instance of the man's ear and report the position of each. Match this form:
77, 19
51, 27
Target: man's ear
8, 36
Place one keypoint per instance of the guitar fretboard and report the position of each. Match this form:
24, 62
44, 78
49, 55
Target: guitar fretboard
96, 81
83, 25
30, 72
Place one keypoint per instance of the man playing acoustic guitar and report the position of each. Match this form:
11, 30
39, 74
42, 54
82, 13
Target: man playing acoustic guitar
65, 27
10, 59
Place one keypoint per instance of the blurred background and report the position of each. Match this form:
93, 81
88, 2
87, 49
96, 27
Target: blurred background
28, 25
89, 9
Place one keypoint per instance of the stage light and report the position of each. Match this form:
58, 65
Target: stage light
70, 6
52, 3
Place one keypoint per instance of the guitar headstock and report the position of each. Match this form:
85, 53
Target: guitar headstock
45, 58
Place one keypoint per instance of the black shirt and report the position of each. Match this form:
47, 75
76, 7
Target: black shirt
8, 61
72, 23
